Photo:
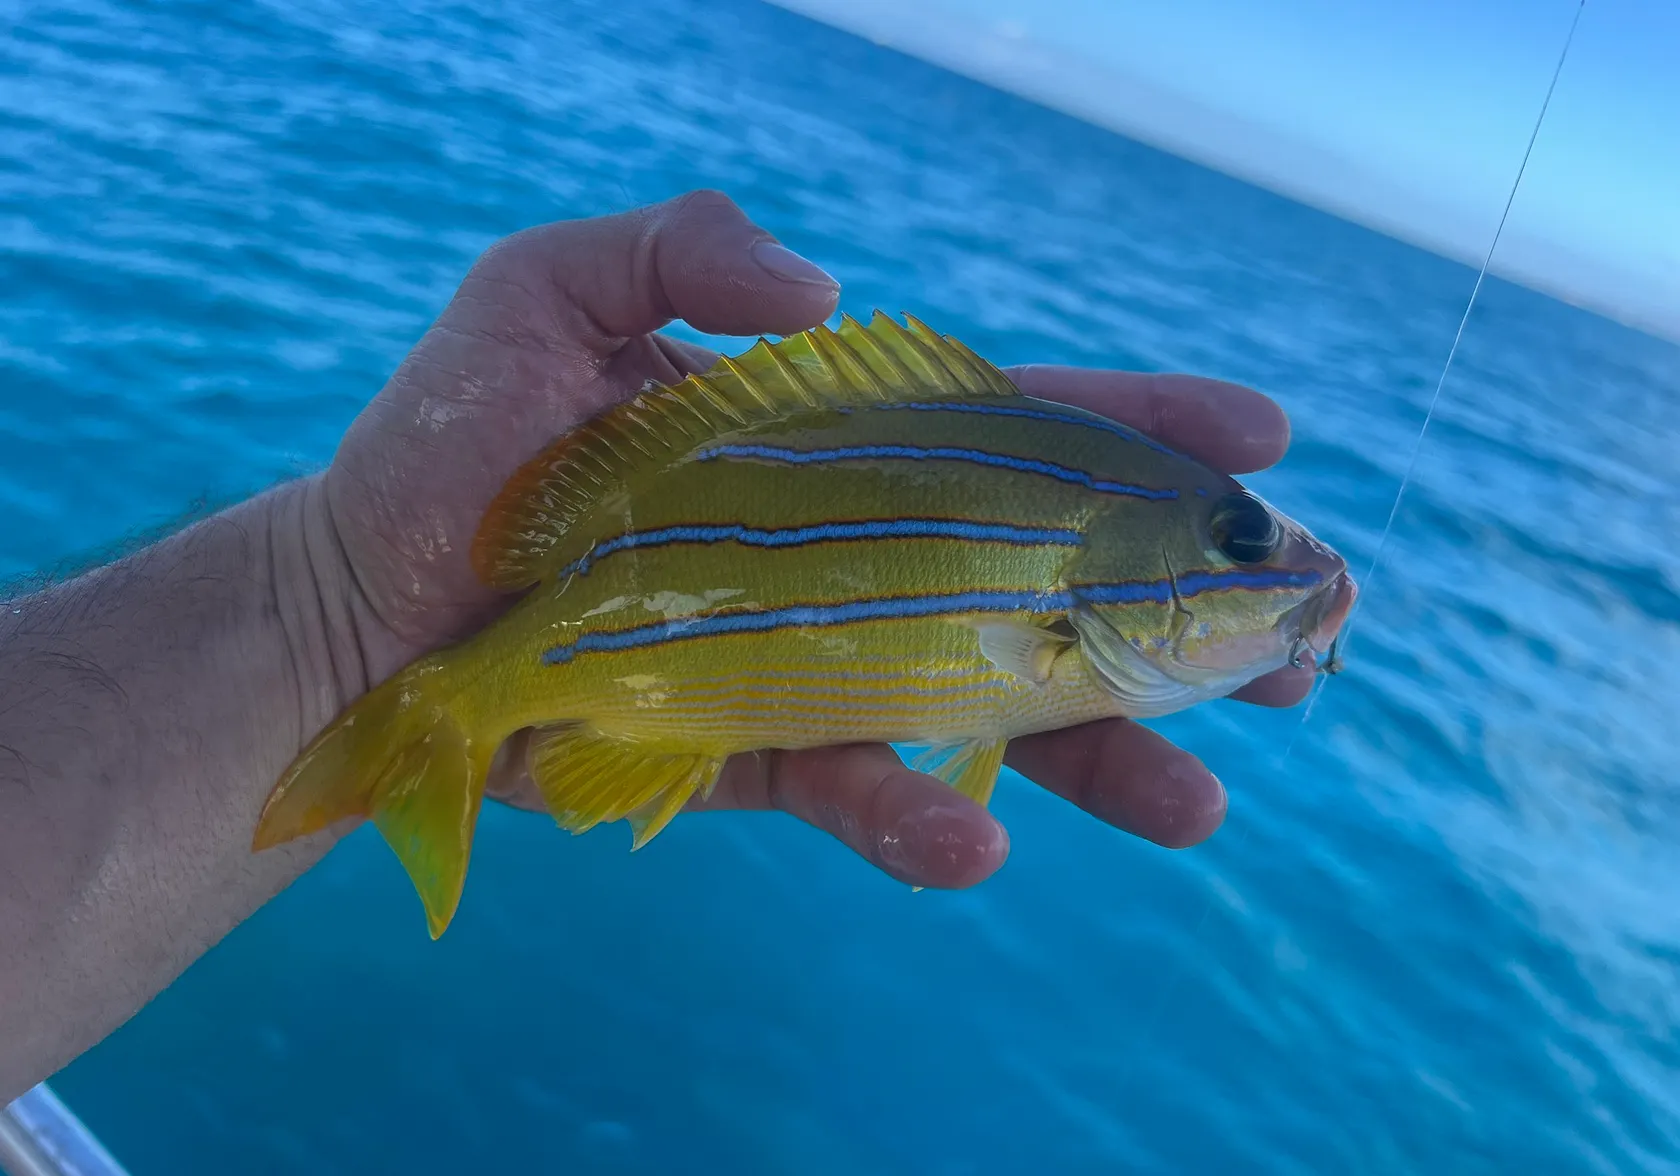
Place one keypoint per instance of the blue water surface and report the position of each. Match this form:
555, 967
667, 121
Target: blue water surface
1442, 938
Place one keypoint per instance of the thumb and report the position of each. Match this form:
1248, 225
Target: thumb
697, 258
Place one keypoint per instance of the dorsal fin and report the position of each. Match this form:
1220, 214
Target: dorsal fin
518, 541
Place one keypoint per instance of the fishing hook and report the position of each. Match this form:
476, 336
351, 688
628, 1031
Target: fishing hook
1332, 663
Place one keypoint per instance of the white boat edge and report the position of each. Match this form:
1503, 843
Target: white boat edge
40, 1136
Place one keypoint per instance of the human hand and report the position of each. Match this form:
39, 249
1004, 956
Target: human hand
555, 324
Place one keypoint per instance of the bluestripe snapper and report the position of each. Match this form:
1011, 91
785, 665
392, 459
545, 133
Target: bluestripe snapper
858, 535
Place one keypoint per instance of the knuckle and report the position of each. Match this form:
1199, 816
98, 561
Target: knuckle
501, 254
704, 201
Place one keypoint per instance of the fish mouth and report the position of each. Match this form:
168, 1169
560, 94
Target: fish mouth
1323, 616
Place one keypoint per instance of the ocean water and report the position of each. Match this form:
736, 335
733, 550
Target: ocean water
1441, 937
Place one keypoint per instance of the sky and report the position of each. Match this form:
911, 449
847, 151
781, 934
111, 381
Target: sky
1408, 117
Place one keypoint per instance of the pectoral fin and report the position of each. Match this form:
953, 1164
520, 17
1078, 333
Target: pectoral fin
1025, 650
587, 778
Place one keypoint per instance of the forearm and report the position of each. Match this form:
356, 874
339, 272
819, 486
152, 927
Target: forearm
146, 709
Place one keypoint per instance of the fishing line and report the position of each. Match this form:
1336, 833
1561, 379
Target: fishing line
1452, 352
1346, 631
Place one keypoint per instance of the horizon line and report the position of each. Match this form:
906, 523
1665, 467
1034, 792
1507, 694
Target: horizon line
1004, 61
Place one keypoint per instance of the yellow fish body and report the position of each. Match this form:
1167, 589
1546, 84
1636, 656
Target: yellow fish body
861, 535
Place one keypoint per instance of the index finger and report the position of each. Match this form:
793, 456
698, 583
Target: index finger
1234, 429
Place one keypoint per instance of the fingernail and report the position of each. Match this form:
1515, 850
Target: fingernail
781, 262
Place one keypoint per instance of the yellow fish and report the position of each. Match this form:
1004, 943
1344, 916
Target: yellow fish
858, 535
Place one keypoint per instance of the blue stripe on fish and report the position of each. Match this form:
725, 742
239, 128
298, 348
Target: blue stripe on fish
809, 615
937, 453
907, 607
962, 530
1193, 584
1039, 414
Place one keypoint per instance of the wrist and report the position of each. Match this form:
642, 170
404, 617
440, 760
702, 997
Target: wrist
146, 710
337, 647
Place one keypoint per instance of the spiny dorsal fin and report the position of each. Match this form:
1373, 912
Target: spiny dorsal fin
519, 540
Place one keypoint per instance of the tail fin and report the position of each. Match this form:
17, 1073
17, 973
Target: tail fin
400, 755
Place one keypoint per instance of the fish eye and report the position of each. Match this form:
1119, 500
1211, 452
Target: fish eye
1244, 528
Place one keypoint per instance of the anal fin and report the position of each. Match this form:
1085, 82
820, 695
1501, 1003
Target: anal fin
587, 778
971, 767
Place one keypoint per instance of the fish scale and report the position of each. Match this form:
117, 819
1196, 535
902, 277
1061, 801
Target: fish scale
858, 535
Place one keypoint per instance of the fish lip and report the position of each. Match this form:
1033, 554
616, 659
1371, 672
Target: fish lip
1324, 614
